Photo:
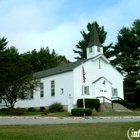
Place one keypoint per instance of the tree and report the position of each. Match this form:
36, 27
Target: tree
127, 61
81, 46
43, 59
16, 83
137, 95
3, 43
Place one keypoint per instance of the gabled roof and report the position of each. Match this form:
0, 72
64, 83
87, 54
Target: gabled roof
66, 68
59, 69
94, 38
100, 79
101, 56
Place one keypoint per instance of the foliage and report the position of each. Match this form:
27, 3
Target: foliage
45, 112
89, 103
56, 107
131, 106
137, 95
42, 108
122, 102
30, 109
44, 59
81, 111
7, 111
127, 57
3, 43
81, 46
18, 111
16, 84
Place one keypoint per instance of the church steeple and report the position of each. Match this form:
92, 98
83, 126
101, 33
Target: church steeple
94, 47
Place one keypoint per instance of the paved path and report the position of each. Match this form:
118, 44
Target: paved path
53, 120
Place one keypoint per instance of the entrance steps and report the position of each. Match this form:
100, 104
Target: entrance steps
107, 107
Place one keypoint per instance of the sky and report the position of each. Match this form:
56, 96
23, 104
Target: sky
32, 24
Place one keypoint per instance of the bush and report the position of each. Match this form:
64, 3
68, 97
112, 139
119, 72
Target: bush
131, 106
30, 109
89, 103
81, 111
122, 102
18, 111
42, 108
7, 111
88, 111
56, 107
45, 112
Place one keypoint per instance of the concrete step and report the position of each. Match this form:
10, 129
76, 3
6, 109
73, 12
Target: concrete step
103, 108
116, 107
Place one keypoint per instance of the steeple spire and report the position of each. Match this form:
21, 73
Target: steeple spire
94, 38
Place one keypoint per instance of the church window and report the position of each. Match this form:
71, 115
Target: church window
85, 89
98, 49
99, 64
90, 49
41, 90
114, 92
104, 82
31, 95
62, 90
53, 88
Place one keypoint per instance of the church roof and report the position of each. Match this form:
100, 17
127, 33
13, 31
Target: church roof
59, 69
94, 38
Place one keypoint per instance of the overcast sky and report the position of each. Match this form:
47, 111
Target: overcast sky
32, 24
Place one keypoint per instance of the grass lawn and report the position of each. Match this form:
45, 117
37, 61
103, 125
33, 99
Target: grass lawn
95, 131
134, 113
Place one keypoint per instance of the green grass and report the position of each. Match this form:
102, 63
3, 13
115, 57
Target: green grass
134, 113
92, 131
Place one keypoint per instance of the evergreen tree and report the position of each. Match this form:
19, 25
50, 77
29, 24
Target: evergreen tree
127, 61
81, 46
3, 43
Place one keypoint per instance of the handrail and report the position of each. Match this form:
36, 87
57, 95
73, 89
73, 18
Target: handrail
117, 98
104, 100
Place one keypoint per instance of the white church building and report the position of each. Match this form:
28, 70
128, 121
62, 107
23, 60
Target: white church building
64, 84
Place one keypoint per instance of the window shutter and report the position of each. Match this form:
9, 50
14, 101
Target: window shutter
112, 91
116, 92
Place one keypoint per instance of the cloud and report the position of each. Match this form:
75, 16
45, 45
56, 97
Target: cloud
31, 24
117, 16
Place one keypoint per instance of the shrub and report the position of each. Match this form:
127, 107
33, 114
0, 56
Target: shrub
131, 106
35, 110
88, 111
56, 107
7, 111
45, 112
122, 102
18, 111
42, 108
30, 109
81, 111
89, 103
77, 112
